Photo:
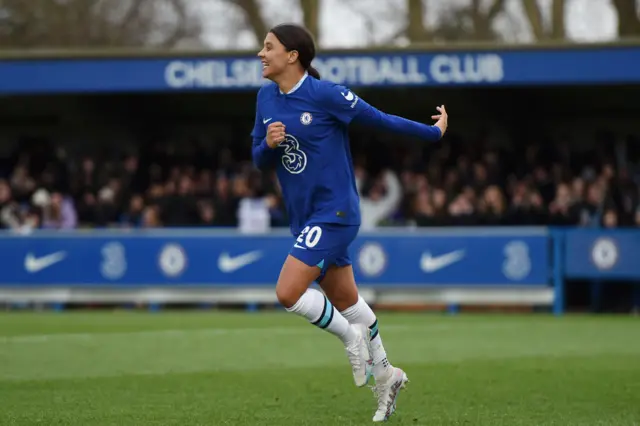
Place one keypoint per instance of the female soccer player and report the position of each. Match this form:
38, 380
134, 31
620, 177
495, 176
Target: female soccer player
301, 127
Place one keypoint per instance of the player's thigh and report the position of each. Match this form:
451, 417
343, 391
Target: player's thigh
295, 278
340, 287
303, 265
320, 246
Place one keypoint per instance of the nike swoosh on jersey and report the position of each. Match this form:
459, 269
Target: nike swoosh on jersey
228, 263
429, 263
35, 264
266, 120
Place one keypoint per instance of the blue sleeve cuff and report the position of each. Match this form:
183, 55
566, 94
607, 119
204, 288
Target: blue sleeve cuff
262, 153
264, 146
439, 132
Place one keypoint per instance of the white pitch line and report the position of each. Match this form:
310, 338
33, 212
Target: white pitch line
37, 338
179, 333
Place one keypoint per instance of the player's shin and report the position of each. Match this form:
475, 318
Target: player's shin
361, 313
316, 308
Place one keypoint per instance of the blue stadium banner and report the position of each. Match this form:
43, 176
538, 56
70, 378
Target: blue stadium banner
468, 257
581, 65
602, 254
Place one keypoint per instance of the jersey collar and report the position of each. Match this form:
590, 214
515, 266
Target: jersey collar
297, 86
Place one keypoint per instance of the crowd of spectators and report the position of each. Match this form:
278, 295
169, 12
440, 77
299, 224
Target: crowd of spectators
454, 184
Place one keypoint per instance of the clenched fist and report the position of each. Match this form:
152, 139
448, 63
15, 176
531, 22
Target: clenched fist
275, 134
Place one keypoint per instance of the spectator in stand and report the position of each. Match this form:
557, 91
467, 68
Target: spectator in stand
381, 201
562, 210
179, 208
13, 215
493, 207
108, 203
133, 217
8, 207
590, 210
151, 217
422, 209
578, 188
462, 211
22, 184
60, 213
85, 180
207, 214
254, 208
86, 209
610, 219
226, 203
203, 187
625, 195
527, 206
439, 202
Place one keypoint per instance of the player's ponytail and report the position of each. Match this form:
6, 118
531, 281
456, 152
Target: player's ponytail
295, 37
313, 72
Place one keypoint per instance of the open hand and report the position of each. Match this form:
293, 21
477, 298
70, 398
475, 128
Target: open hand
442, 118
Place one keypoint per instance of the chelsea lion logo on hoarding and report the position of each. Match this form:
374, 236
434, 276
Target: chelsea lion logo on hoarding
372, 259
604, 253
172, 260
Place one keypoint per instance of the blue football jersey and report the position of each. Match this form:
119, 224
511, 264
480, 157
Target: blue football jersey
314, 164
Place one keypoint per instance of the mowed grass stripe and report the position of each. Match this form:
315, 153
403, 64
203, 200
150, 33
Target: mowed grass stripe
567, 391
295, 344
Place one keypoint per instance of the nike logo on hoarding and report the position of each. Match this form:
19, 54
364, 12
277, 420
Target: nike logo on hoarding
430, 263
228, 263
35, 264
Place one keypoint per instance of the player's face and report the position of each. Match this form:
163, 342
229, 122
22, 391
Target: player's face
274, 57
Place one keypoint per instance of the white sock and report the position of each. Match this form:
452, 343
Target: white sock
316, 308
361, 313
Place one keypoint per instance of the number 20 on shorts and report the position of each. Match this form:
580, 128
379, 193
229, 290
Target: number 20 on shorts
309, 237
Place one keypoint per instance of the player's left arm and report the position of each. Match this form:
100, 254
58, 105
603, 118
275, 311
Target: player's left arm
347, 107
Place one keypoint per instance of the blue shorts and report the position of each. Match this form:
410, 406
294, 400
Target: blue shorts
324, 245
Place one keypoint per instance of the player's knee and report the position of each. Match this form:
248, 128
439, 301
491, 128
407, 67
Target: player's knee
295, 278
287, 296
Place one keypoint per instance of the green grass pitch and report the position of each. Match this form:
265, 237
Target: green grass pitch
211, 368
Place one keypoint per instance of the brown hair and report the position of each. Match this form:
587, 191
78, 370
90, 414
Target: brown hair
295, 37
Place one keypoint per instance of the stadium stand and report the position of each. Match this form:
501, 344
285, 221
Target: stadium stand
544, 185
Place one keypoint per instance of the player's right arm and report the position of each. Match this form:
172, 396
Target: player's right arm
264, 148
263, 141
